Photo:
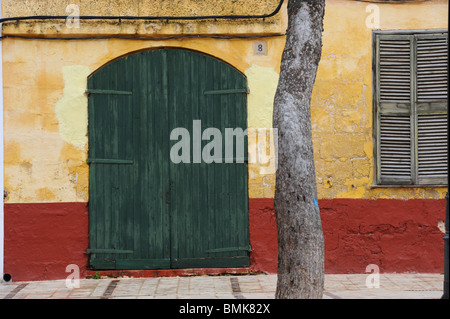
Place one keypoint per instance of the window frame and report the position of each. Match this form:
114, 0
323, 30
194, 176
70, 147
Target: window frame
415, 181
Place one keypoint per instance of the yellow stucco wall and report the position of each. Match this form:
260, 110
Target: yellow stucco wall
342, 98
45, 107
45, 118
14, 8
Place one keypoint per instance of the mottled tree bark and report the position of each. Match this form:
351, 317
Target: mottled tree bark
300, 235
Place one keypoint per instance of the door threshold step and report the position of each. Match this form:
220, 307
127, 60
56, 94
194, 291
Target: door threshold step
149, 273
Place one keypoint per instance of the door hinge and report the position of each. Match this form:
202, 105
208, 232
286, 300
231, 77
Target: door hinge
230, 91
227, 249
92, 91
108, 251
108, 161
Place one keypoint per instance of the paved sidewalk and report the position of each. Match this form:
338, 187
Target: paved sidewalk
391, 286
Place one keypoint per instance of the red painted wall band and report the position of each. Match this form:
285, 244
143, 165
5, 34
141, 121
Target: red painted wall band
396, 235
399, 236
42, 239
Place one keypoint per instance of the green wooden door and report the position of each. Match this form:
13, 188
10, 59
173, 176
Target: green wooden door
147, 212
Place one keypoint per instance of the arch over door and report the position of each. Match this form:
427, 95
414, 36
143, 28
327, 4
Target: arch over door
146, 212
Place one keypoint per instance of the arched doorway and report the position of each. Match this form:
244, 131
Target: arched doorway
145, 211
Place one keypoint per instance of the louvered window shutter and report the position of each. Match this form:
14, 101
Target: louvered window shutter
431, 106
393, 104
411, 108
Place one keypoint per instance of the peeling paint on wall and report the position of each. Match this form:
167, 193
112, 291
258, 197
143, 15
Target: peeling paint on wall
341, 105
262, 82
45, 107
71, 109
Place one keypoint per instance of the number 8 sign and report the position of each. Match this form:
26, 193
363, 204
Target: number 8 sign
260, 47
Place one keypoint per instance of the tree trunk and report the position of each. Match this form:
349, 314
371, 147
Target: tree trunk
300, 236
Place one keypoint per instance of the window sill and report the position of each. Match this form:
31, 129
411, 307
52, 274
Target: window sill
410, 186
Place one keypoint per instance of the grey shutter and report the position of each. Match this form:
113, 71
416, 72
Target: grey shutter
393, 106
411, 81
432, 148
395, 69
432, 68
395, 148
431, 106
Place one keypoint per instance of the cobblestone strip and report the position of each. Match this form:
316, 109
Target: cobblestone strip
236, 288
331, 295
15, 291
110, 289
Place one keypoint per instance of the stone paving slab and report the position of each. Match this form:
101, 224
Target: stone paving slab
351, 286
